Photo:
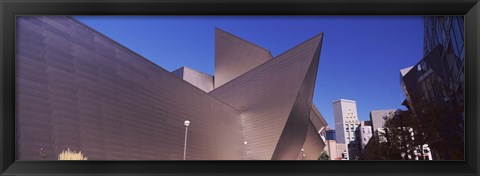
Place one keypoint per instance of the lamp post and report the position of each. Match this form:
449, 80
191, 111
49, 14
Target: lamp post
303, 154
186, 123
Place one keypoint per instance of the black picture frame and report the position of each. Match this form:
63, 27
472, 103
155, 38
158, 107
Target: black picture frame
9, 9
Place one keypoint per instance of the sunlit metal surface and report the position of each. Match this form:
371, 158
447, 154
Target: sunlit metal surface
235, 56
78, 89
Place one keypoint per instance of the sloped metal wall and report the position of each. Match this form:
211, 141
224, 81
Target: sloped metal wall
78, 89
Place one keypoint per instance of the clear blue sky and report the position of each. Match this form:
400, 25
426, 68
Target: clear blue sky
360, 58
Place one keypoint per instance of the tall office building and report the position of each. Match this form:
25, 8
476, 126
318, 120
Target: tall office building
346, 122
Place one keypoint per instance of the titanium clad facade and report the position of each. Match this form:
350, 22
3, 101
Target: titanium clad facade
315, 142
235, 56
272, 94
318, 121
77, 89
198, 79
313, 145
299, 117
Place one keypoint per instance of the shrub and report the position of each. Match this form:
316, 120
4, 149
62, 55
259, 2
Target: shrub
71, 155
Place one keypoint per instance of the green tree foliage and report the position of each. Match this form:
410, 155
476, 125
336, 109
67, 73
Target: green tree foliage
432, 123
324, 156
442, 129
398, 141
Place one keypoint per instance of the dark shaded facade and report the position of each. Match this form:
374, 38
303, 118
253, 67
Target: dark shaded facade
436, 83
448, 31
78, 89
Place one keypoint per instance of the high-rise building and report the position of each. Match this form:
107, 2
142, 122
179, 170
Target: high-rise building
346, 122
448, 31
78, 89
437, 80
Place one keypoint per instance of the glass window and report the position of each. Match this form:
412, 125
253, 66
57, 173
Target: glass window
459, 40
425, 91
458, 25
364, 139
453, 40
430, 87
462, 54
439, 32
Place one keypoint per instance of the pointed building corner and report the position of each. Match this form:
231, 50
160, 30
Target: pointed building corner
279, 91
235, 56
296, 133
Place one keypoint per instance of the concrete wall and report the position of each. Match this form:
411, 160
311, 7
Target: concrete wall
331, 148
376, 117
365, 135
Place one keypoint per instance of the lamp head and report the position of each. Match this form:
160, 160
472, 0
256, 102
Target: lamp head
186, 123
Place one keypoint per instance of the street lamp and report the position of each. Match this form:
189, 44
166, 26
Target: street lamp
303, 154
186, 123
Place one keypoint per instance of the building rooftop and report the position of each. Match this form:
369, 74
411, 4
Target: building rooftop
345, 100
404, 71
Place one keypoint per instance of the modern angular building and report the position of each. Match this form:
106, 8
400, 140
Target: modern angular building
346, 123
444, 57
437, 80
79, 89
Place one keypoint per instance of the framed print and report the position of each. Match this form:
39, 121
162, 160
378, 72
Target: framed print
255, 87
